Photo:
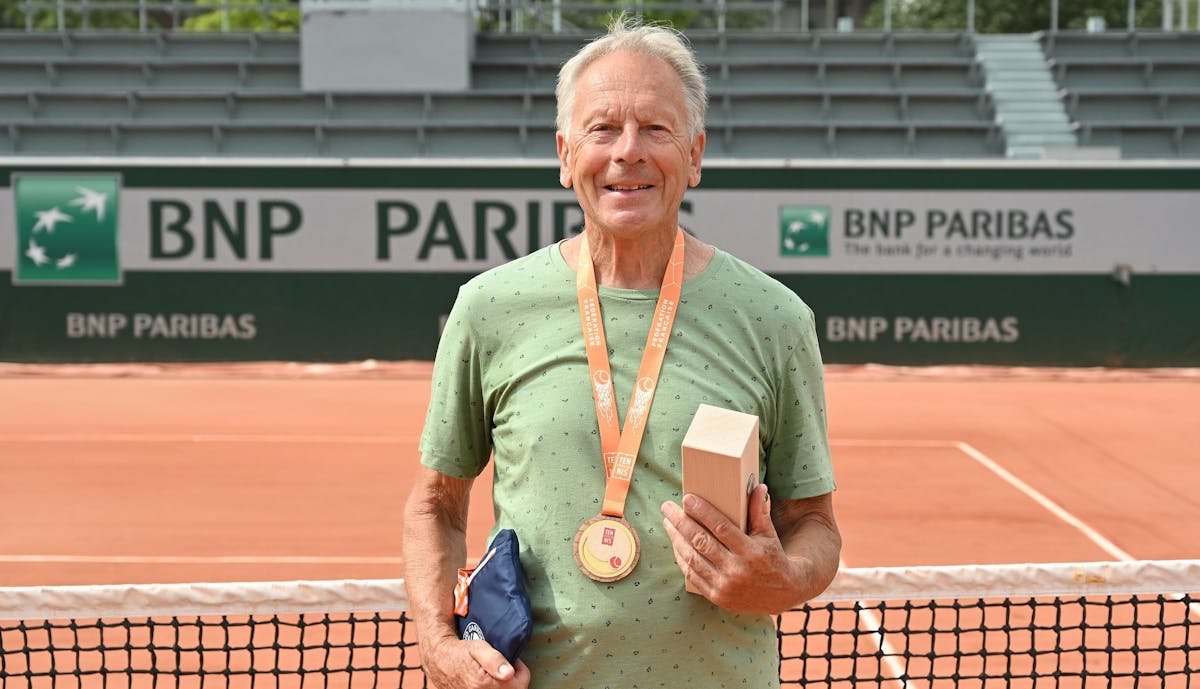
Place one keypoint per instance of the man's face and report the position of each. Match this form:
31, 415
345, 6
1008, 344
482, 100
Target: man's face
630, 155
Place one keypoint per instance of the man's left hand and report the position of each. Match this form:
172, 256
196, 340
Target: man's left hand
737, 571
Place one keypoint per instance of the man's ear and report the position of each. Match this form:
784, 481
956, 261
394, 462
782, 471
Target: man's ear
697, 155
564, 165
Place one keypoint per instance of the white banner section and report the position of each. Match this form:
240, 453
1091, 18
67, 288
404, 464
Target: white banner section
861, 231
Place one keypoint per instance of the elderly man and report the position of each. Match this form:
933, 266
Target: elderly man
538, 357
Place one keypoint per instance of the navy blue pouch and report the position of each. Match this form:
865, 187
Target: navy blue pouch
495, 607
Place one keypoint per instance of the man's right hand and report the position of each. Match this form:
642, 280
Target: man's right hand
473, 664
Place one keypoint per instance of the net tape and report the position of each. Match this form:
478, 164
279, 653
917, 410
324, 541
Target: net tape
1100, 624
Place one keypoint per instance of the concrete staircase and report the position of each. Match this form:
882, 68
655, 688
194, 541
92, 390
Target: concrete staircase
1028, 108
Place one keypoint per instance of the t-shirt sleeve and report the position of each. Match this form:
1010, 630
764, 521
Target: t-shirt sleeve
799, 464
456, 439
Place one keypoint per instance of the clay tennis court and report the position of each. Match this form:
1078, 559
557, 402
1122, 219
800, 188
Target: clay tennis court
232, 473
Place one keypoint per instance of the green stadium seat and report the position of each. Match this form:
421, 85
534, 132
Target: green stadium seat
772, 140
481, 109
958, 140
730, 108
1139, 139
231, 46
536, 74
394, 109
16, 105
73, 106
178, 106
350, 141
1115, 105
286, 107
460, 140
32, 45
526, 46
1181, 106
69, 138
947, 106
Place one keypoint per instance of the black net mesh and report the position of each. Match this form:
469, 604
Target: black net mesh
1109, 641
308, 650
1085, 625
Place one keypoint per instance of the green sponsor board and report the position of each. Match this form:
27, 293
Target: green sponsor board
178, 316
323, 262
66, 229
895, 319
1038, 320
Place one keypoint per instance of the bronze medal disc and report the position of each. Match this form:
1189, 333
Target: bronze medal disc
606, 548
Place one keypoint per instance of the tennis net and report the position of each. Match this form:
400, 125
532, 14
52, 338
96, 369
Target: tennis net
1100, 624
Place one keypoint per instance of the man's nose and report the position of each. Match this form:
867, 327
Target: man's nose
630, 148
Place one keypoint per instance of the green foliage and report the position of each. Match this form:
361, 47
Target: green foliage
275, 19
1011, 16
44, 15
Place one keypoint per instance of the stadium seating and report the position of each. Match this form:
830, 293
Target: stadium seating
801, 94
782, 94
1138, 91
796, 95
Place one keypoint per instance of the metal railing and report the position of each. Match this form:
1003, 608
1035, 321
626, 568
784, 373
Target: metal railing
569, 16
558, 16
153, 15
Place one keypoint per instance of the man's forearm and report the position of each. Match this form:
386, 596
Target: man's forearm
434, 549
810, 537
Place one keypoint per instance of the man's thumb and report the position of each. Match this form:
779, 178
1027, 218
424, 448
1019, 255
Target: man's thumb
760, 511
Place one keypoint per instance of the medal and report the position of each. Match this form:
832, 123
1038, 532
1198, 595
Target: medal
606, 546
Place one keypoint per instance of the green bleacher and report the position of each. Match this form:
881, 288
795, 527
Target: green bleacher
781, 94
1138, 91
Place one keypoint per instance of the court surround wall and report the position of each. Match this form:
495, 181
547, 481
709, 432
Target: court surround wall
911, 263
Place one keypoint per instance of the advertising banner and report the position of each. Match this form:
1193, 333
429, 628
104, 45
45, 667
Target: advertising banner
922, 264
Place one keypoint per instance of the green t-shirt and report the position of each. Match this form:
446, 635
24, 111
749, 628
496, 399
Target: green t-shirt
512, 378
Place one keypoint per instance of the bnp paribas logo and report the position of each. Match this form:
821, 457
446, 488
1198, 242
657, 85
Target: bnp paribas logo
804, 231
67, 229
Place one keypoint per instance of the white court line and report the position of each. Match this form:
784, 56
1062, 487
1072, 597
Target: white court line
873, 623
891, 657
205, 438
202, 559
1105, 544
992, 465
1051, 506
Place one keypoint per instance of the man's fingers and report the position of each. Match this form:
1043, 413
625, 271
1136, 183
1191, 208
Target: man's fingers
724, 532
492, 661
522, 676
691, 544
696, 569
692, 531
473, 664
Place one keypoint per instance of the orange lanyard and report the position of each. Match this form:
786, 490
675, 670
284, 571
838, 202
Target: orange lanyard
620, 448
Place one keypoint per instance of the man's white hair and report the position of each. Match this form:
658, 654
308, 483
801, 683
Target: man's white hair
625, 34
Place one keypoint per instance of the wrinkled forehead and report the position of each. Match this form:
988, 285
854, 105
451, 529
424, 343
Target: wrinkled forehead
629, 80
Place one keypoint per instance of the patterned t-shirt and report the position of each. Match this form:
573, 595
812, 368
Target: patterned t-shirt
511, 378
